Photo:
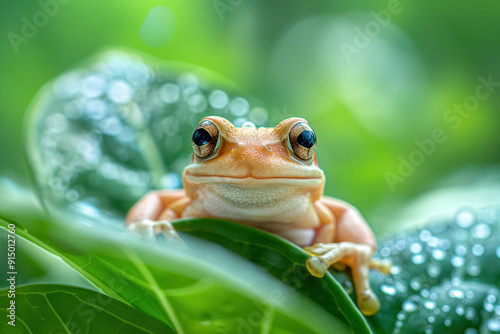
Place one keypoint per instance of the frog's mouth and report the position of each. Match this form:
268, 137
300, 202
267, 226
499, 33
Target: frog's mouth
252, 180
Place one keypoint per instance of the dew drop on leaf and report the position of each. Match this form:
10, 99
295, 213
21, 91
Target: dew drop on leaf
409, 306
388, 289
465, 219
493, 324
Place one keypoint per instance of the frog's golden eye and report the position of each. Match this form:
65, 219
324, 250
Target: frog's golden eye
302, 140
205, 139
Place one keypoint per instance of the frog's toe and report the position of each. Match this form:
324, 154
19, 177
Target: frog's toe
144, 229
316, 266
149, 229
368, 302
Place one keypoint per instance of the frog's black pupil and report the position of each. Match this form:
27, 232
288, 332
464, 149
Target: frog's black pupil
201, 137
306, 139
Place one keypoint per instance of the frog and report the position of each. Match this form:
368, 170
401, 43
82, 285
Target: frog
267, 178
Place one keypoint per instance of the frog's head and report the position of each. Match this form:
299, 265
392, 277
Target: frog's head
283, 155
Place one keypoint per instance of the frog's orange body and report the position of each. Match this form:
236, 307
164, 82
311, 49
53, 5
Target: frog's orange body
264, 177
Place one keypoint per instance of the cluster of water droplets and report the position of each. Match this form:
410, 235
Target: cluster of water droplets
104, 134
445, 278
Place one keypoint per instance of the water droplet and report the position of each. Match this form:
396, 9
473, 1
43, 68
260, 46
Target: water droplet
481, 231
169, 93
465, 219
473, 268
258, 115
469, 294
456, 281
438, 254
425, 293
395, 270
418, 259
239, 121
120, 92
470, 331
425, 235
429, 330
477, 250
460, 310
455, 293
433, 270
497, 252
388, 289
401, 316
239, 106
433, 242
415, 248
197, 103
248, 125
409, 306
470, 313
218, 99
446, 308
430, 305
457, 261
400, 245
111, 126
488, 307
72, 195
460, 250
137, 74
448, 322
96, 109
431, 319
93, 86
492, 299
416, 283
386, 251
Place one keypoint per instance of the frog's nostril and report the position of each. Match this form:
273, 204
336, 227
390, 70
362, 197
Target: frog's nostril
268, 148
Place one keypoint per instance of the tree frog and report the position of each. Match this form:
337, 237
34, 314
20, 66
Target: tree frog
267, 178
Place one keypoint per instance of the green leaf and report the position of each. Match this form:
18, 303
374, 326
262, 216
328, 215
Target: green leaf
204, 288
283, 260
445, 279
49, 308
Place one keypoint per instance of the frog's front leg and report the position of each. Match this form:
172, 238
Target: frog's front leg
351, 243
154, 213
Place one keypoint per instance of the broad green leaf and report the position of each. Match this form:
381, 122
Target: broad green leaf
50, 308
445, 279
204, 288
119, 125
281, 259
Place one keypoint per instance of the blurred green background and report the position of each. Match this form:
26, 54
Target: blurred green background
372, 77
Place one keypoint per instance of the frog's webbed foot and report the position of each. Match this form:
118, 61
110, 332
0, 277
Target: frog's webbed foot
149, 229
356, 256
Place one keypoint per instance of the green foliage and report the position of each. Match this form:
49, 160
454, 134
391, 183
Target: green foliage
445, 279
203, 288
66, 309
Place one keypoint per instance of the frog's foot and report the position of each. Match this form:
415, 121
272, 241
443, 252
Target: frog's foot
149, 229
356, 256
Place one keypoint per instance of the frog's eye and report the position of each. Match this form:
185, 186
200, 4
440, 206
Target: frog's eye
205, 139
302, 141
